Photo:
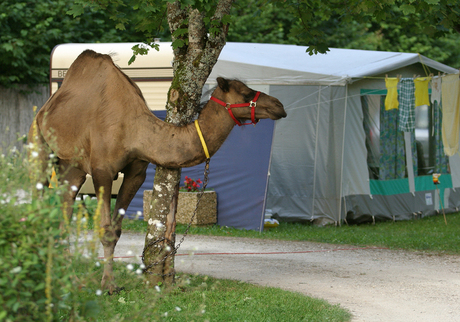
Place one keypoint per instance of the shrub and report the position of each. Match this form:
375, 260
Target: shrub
37, 277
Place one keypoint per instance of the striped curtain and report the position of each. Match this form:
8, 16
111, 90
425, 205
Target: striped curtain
442, 161
392, 155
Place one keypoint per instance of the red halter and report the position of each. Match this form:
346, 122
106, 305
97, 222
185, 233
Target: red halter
229, 107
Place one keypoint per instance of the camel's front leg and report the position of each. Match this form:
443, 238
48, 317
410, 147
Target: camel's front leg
109, 238
134, 177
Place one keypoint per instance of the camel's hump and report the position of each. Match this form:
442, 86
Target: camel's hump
88, 53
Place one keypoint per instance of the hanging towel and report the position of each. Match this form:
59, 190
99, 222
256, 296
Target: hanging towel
391, 100
450, 113
406, 105
421, 91
436, 89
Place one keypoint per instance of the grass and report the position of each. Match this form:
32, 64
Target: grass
200, 298
428, 234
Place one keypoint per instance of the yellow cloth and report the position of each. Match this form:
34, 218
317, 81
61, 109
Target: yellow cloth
450, 90
391, 101
421, 91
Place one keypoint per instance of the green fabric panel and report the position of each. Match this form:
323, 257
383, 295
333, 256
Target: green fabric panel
397, 186
424, 183
389, 187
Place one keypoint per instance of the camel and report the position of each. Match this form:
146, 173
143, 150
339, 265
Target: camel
98, 123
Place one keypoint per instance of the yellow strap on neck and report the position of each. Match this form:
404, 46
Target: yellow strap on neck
203, 143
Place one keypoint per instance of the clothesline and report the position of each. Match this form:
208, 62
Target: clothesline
405, 94
323, 87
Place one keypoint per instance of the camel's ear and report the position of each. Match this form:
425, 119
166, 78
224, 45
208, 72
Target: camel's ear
223, 84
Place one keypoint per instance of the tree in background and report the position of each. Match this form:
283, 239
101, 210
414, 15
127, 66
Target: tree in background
29, 30
398, 30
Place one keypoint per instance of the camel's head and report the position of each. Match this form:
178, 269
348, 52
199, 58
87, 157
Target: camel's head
258, 105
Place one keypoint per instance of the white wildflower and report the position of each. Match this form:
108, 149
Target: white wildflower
74, 188
142, 266
34, 154
130, 267
121, 300
149, 236
121, 211
98, 292
97, 264
178, 309
16, 270
165, 314
138, 271
157, 288
39, 186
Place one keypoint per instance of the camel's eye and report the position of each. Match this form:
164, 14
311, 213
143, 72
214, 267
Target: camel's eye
249, 96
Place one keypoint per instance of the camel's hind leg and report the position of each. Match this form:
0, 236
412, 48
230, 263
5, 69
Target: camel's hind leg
74, 178
109, 239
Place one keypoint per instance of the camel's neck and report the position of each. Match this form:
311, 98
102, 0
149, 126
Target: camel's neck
172, 146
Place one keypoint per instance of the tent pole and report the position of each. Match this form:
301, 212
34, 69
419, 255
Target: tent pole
316, 154
343, 152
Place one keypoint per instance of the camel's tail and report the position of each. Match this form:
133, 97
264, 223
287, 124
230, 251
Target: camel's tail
38, 153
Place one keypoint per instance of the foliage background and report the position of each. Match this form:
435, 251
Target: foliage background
29, 30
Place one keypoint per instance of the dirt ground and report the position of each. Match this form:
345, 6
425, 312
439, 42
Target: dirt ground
374, 284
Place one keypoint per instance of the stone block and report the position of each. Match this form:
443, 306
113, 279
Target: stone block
206, 213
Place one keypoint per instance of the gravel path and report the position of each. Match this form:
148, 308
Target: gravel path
374, 284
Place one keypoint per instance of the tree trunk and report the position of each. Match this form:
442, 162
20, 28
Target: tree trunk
192, 65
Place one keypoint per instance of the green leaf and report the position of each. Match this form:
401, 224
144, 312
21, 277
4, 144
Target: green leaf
120, 26
180, 32
132, 59
226, 19
76, 10
8, 47
178, 43
407, 9
432, 2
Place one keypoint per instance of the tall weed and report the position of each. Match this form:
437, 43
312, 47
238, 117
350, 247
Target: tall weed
37, 279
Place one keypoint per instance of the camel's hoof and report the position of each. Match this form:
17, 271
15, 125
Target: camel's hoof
116, 291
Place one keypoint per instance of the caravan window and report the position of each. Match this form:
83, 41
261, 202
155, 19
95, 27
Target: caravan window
386, 157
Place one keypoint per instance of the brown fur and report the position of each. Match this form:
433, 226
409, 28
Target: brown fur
98, 123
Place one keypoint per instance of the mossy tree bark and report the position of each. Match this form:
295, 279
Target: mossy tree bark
192, 64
